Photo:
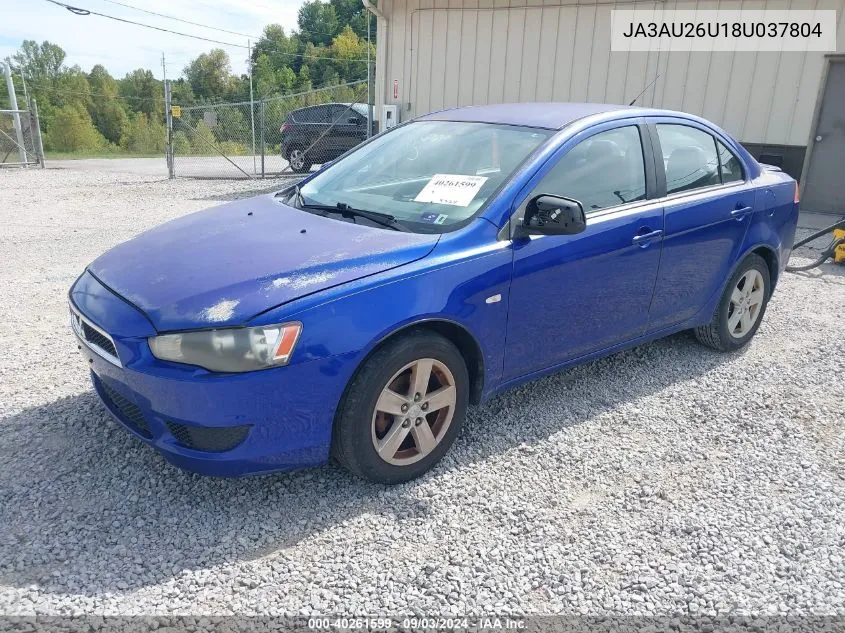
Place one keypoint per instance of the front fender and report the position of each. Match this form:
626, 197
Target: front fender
453, 284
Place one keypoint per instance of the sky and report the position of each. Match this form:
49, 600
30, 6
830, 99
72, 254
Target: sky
121, 48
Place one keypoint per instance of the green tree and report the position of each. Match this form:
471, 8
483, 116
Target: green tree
347, 48
42, 63
287, 80
353, 14
303, 81
70, 87
143, 92
144, 135
279, 49
203, 140
182, 94
107, 110
210, 75
72, 131
318, 22
270, 80
233, 124
181, 144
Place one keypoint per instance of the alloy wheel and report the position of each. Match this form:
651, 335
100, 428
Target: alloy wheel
414, 411
297, 159
746, 301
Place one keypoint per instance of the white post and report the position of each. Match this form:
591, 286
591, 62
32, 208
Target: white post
251, 105
23, 81
369, 92
36, 123
13, 104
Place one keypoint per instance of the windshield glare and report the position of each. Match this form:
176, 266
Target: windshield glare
427, 174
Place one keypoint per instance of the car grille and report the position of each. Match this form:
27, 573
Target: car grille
128, 412
211, 440
95, 338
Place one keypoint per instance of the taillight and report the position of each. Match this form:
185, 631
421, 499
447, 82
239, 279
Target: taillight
797, 194
285, 127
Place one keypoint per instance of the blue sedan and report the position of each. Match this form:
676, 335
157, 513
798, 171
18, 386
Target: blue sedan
358, 313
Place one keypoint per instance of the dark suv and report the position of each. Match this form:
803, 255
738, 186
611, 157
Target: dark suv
318, 134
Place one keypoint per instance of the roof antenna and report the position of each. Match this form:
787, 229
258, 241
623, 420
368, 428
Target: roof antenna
644, 89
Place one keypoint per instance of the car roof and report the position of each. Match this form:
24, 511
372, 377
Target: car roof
319, 105
552, 116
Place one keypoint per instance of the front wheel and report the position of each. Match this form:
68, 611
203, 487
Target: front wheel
403, 409
741, 307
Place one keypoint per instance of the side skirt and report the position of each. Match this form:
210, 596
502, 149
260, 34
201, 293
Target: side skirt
608, 351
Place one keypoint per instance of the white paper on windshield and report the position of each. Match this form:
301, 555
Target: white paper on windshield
454, 189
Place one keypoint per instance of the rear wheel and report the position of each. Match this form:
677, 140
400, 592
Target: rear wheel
741, 307
299, 161
403, 409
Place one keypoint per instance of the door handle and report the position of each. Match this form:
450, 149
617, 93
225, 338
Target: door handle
644, 238
741, 212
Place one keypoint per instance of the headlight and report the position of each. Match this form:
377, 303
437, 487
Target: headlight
234, 350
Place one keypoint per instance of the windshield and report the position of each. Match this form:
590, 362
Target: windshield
427, 174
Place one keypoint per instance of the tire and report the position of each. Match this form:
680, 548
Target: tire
360, 427
299, 161
728, 330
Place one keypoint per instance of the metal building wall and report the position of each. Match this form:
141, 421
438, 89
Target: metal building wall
446, 53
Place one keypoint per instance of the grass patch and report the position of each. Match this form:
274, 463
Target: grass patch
96, 154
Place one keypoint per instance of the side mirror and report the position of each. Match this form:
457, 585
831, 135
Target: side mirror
552, 215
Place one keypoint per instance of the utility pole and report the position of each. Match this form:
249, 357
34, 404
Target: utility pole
251, 104
16, 115
369, 93
168, 117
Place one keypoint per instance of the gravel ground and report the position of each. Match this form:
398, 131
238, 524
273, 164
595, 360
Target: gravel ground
668, 479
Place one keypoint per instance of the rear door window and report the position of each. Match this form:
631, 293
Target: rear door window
306, 115
316, 114
689, 157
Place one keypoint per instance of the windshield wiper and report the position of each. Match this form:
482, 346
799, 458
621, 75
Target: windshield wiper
382, 219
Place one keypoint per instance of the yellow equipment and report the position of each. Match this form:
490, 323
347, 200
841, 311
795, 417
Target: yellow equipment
839, 250
836, 249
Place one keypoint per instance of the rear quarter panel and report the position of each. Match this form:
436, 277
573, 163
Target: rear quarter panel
777, 218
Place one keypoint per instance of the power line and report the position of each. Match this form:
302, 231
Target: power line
294, 32
173, 17
81, 11
334, 59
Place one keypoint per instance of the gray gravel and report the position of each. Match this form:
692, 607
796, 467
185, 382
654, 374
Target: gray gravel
665, 480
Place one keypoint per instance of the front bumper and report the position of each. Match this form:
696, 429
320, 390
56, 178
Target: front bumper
210, 423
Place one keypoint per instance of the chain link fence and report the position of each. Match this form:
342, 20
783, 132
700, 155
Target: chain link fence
19, 139
275, 136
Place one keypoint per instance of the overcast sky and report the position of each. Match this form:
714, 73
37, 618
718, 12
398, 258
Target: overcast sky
90, 40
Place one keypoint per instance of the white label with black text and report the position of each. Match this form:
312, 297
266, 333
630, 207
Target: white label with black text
454, 189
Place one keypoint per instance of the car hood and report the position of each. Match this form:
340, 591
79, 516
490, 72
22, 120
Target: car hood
221, 266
